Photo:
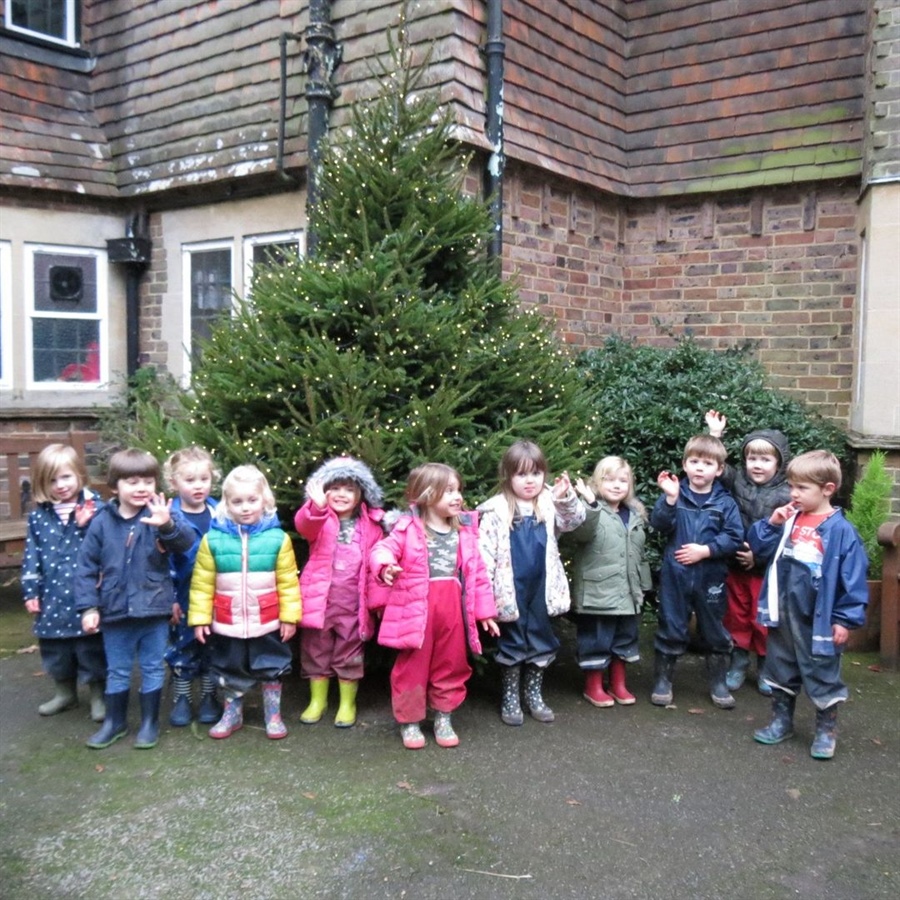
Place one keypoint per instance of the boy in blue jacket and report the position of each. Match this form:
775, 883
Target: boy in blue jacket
122, 580
704, 527
813, 594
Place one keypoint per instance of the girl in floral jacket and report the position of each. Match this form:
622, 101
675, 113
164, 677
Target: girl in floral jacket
518, 541
438, 591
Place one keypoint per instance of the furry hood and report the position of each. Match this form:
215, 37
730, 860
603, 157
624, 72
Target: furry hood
346, 468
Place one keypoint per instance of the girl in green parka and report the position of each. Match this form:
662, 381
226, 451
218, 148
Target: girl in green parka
610, 577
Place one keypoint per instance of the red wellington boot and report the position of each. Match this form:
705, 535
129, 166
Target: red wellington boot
617, 688
593, 689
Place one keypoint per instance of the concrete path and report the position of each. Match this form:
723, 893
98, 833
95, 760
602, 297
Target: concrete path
629, 802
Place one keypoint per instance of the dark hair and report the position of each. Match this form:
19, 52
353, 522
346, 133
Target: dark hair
132, 463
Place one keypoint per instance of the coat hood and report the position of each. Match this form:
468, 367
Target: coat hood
346, 468
777, 439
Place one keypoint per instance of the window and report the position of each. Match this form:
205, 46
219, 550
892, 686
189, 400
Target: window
262, 249
67, 316
5, 314
51, 20
208, 287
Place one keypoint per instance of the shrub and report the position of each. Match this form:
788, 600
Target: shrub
870, 506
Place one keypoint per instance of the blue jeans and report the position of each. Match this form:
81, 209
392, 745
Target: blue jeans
141, 639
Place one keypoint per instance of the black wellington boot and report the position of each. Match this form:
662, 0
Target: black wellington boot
148, 734
663, 668
114, 725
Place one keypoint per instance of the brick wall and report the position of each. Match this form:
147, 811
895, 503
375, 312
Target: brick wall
153, 290
778, 268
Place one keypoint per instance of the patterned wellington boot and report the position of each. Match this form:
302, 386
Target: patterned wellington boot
511, 705
275, 728
444, 735
781, 727
534, 700
826, 733
413, 739
617, 688
232, 719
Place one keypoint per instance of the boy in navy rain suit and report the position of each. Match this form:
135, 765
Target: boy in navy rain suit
704, 527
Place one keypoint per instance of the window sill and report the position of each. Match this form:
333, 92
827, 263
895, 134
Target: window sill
21, 46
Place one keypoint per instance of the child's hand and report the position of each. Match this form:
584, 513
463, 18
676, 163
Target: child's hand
176, 613
201, 632
744, 556
316, 494
491, 627
716, 423
390, 573
561, 486
160, 510
782, 514
90, 622
84, 512
689, 554
840, 635
669, 485
584, 491
33, 605
288, 630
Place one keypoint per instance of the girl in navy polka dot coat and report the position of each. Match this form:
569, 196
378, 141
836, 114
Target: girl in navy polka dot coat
56, 528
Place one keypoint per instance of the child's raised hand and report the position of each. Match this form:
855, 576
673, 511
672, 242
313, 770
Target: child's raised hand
389, 573
584, 491
84, 512
317, 494
160, 510
201, 633
33, 605
561, 486
491, 627
716, 423
782, 514
668, 484
288, 630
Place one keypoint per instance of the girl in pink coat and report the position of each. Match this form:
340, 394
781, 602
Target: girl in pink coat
439, 589
341, 519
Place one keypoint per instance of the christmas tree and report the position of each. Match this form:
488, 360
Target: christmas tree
399, 342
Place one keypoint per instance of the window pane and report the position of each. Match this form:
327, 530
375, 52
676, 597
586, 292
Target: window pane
210, 292
43, 16
66, 350
275, 253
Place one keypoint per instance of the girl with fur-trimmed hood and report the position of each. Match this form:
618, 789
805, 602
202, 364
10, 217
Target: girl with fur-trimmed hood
341, 519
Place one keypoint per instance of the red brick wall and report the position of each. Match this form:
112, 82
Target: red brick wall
776, 267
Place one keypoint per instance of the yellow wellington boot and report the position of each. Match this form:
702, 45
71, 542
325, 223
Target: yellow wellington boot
346, 714
318, 701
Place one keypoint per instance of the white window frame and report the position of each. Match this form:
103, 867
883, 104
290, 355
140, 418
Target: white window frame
260, 240
101, 315
70, 39
187, 251
6, 311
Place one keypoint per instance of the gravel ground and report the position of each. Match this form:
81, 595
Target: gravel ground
629, 802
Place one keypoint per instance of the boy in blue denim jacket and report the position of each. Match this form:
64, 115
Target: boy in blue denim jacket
705, 530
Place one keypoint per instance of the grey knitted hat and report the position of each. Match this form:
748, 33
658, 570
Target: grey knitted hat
346, 468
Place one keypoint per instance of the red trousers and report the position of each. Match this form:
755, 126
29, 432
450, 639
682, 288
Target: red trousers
742, 591
435, 675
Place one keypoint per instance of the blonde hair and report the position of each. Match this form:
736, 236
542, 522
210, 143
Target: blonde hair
706, 447
521, 458
187, 456
609, 466
245, 475
761, 447
817, 467
427, 483
48, 463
